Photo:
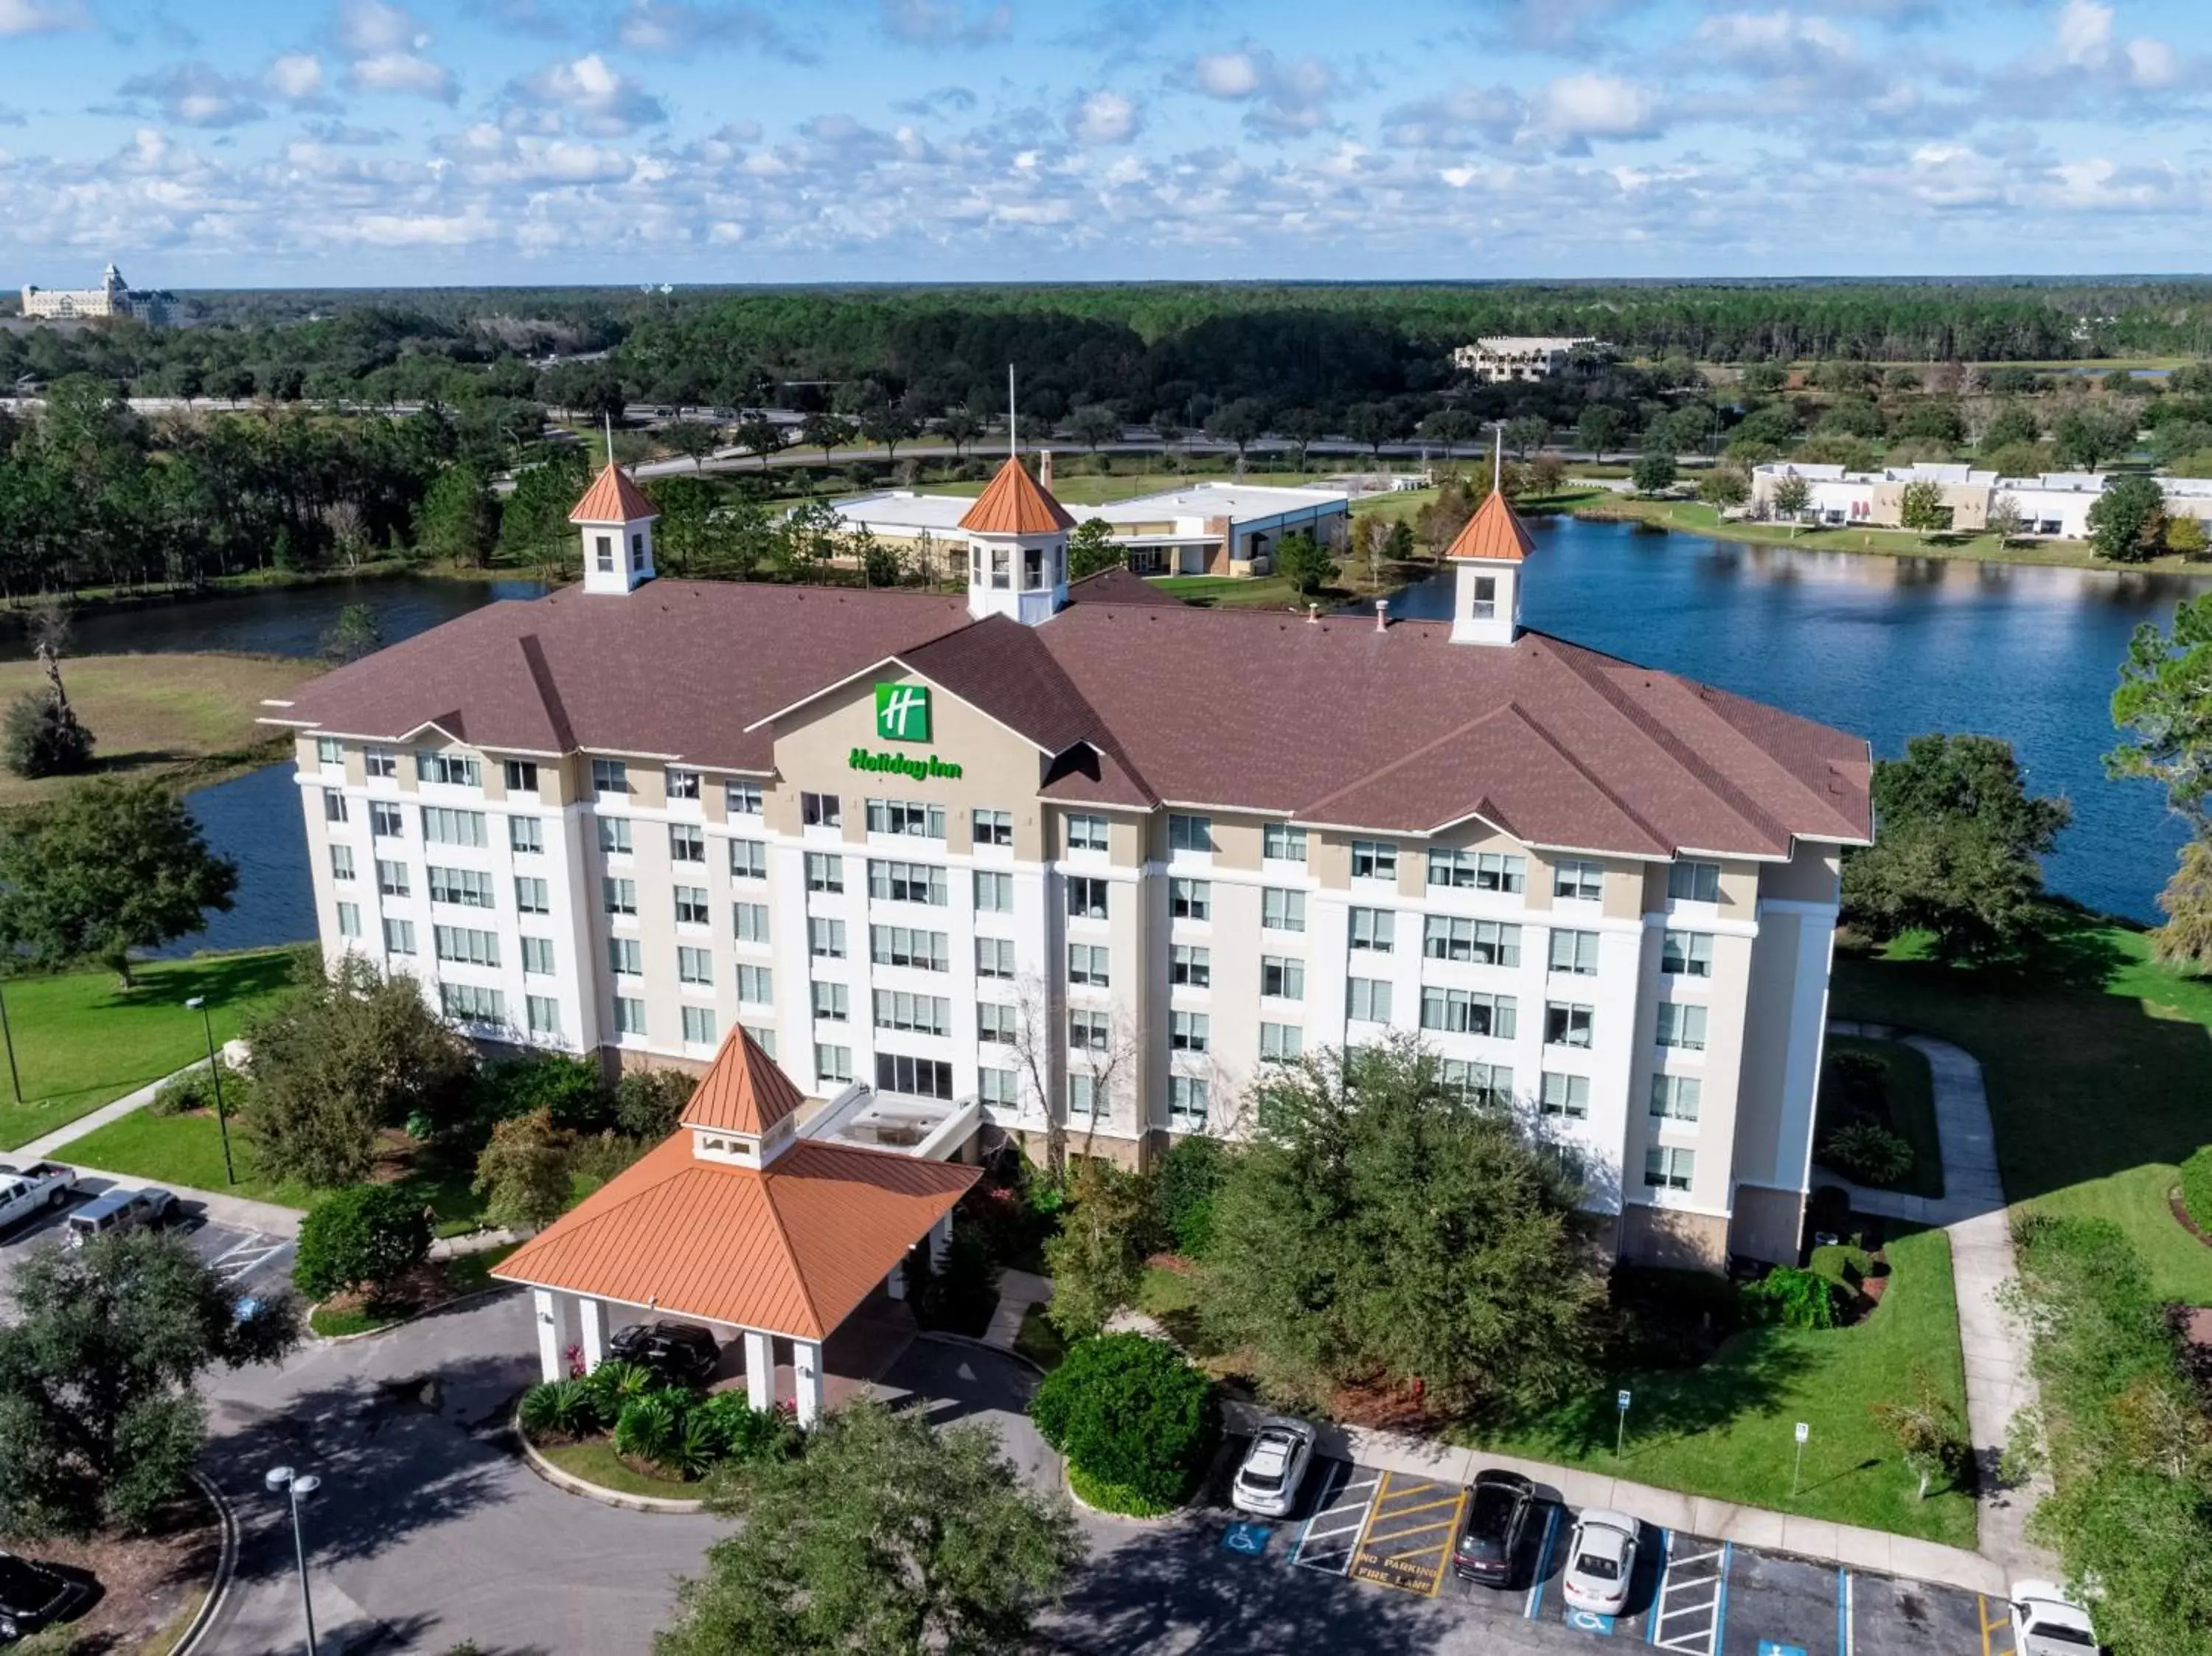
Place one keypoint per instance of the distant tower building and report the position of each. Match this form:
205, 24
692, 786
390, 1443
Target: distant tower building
114, 297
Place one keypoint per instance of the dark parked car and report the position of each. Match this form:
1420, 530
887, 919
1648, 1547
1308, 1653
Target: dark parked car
31, 1596
681, 1354
1497, 1511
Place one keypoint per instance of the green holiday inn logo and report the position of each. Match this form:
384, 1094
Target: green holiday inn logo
901, 713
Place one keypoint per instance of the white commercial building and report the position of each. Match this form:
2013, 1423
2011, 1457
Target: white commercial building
113, 297
2055, 505
1516, 356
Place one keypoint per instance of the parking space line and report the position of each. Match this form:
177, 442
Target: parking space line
1691, 1607
2001, 1624
1331, 1536
1382, 1557
1659, 1591
1843, 1611
1543, 1561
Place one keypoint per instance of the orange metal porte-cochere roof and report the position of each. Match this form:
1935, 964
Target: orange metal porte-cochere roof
1016, 504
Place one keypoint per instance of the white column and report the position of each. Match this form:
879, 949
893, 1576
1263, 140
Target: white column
806, 1378
760, 1370
549, 1332
592, 1314
940, 1239
894, 1284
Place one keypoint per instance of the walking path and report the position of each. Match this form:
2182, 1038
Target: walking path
1018, 1291
40, 1149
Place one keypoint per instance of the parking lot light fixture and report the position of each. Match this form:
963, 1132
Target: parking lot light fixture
199, 1003
297, 1487
8, 1038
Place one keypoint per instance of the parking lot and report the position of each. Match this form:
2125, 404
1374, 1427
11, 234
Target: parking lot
253, 1264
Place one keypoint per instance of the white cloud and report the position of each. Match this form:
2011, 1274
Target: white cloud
676, 26
42, 16
587, 93
2085, 31
1227, 75
1283, 99
1104, 117
940, 24
296, 76
1581, 106
1775, 42
388, 50
194, 94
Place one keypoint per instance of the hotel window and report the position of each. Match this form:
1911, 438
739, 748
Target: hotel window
465, 945
1189, 966
756, 985
1086, 833
469, 888
525, 834
917, 1078
334, 805
1479, 870
902, 945
625, 957
1674, 1098
1282, 979
1189, 1032
1694, 882
994, 957
1283, 842
1479, 942
1374, 859
543, 1013
995, 827
687, 843
537, 957
1281, 910
824, 872
381, 762
1190, 899
1574, 952
390, 878
614, 835
1687, 954
698, 1026
1190, 833
749, 859
329, 750
1482, 601
620, 896
994, 893
385, 823
907, 882
341, 862
761, 1036
630, 1016
1681, 1026
1187, 1103
906, 816
399, 937
1666, 1167
1087, 965
469, 1002
994, 1023
1574, 880
349, 919
820, 810
926, 1015
832, 1002
1463, 1012
1000, 1088
1487, 1084
521, 776
1367, 1000
609, 777
532, 896
1083, 1098
1374, 929
453, 770
695, 966
749, 922
603, 553
444, 826
1567, 1095
1284, 1042
833, 1064
741, 798
826, 939
691, 907
1086, 898
681, 783
1566, 1025
1090, 1032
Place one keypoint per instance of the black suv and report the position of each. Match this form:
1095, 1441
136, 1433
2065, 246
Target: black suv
31, 1596
680, 1354
1497, 1511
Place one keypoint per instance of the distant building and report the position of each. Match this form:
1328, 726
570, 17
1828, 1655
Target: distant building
1513, 356
2054, 503
113, 297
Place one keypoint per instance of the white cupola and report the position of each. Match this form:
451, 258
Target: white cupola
1487, 557
615, 519
1016, 549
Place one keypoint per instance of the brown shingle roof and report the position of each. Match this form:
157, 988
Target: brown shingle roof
613, 499
1495, 532
744, 1090
1015, 503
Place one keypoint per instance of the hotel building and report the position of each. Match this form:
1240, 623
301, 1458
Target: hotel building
1043, 851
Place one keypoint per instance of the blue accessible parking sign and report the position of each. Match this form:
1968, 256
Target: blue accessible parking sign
1249, 1540
1589, 1621
1768, 1647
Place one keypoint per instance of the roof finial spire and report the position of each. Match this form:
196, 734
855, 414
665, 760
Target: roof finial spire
1497, 458
1013, 445
610, 419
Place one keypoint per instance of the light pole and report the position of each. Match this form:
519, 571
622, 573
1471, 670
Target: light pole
8, 1037
199, 1003
283, 1480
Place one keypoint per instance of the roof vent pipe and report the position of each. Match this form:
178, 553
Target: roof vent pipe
1313, 615
1382, 615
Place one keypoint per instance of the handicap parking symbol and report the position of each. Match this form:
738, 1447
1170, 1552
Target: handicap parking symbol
1589, 1621
1249, 1539
1768, 1647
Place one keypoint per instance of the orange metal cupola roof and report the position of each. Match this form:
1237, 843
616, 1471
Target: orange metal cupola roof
744, 1092
1495, 534
1016, 504
613, 499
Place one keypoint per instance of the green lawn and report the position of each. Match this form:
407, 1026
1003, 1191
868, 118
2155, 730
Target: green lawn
595, 1461
1725, 1429
81, 1041
183, 1150
1911, 1108
2099, 1064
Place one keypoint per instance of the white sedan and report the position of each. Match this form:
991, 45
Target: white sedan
1601, 1560
1266, 1485
2046, 1621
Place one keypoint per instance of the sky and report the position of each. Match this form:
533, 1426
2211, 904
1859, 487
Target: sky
298, 143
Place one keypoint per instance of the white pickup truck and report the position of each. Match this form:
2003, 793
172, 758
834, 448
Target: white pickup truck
25, 1191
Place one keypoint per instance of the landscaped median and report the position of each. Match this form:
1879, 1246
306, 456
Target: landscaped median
623, 1429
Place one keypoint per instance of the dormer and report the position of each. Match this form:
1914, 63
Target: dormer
745, 1113
1488, 558
615, 519
1016, 549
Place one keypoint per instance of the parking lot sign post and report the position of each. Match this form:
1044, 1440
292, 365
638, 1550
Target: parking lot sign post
1798, 1473
1620, 1424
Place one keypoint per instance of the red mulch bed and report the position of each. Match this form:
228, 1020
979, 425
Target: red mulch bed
1390, 1405
424, 1286
143, 1580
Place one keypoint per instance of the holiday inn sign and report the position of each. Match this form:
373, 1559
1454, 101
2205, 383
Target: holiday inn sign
902, 715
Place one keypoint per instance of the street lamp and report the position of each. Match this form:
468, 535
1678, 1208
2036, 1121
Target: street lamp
8, 1037
283, 1480
199, 1003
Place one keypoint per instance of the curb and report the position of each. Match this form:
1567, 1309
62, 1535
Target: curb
226, 1567
1158, 1521
572, 1485
411, 1317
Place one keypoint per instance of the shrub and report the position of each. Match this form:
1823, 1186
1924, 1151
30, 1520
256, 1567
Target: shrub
1861, 1081
1869, 1152
1793, 1298
596, 1159
1129, 1411
2197, 1187
615, 1384
42, 737
1842, 1264
1929, 1434
567, 1088
961, 1294
649, 1103
363, 1236
194, 1089
566, 1408
1190, 1178
744, 1435
525, 1173
651, 1428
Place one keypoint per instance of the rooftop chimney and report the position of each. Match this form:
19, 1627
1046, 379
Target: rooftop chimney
1313, 615
1044, 467
1382, 615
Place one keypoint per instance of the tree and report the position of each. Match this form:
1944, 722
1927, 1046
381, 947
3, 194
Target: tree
1598, 425
959, 428
1724, 487
890, 425
2084, 438
1096, 1259
1238, 423
1135, 1420
43, 738
1381, 1223
1303, 562
2185, 939
694, 440
1928, 1430
884, 1536
2162, 701
2185, 535
335, 1060
459, 519
525, 1173
354, 635
2006, 520
1655, 471
2013, 422
756, 433
1092, 548
2127, 522
107, 868
1526, 432
1094, 425
1922, 509
364, 1236
1792, 495
101, 1421
1957, 847
1302, 428
533, 525
1452, 426
827, 432
1372, 425
1548, 474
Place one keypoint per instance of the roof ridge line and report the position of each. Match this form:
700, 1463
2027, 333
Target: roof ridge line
790, 1248
1400, 762
1543, 735
549, 693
